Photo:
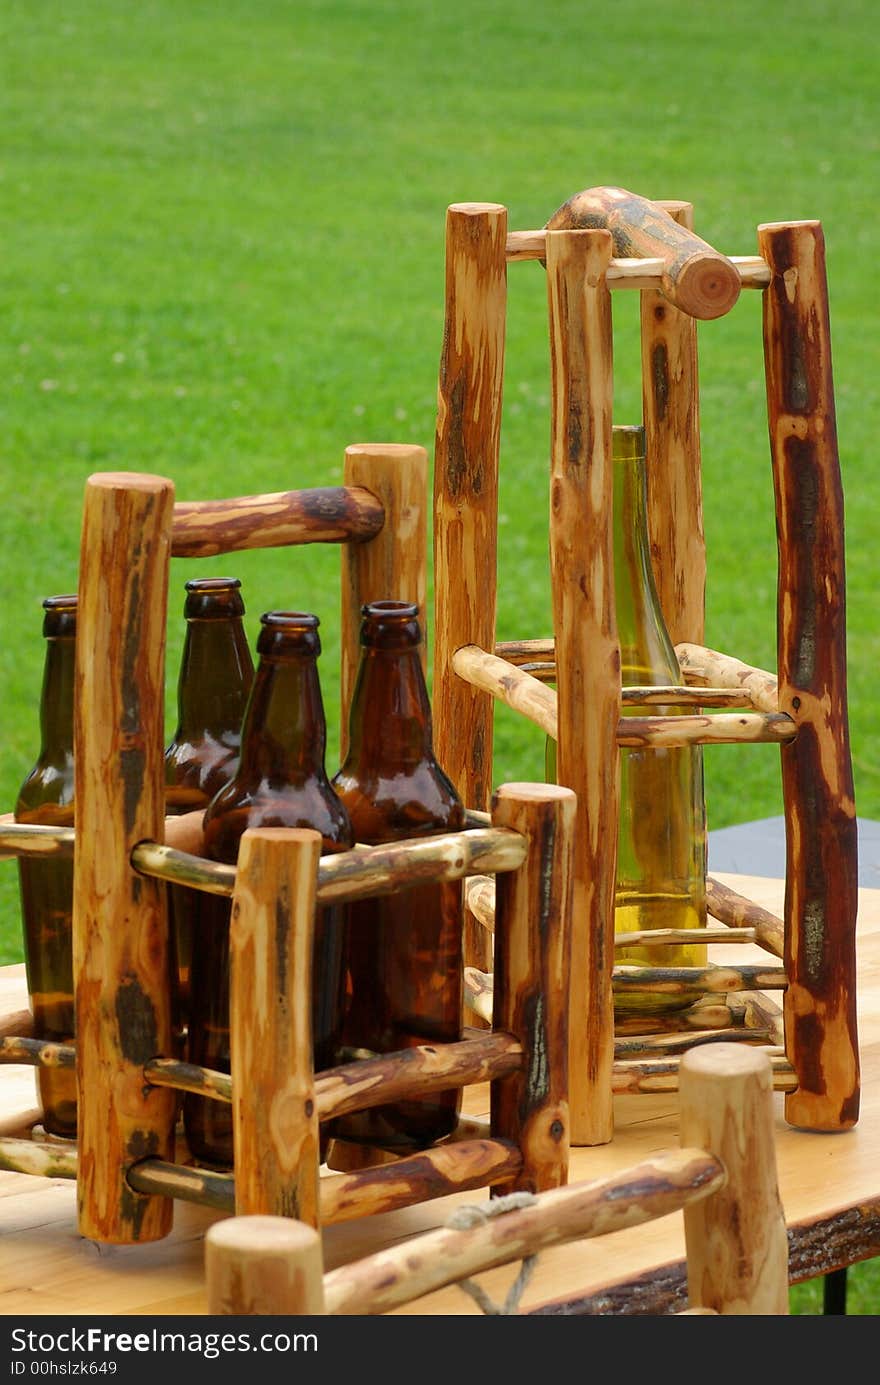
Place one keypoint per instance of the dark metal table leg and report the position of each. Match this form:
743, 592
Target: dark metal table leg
834, 1292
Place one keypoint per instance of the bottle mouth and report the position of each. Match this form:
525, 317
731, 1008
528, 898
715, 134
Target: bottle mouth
212, 598
403, 610
292, 620
59, 620
390, 624
627, 442
289, 633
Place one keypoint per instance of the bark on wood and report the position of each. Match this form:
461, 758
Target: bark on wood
20, 1024
712, 980
513, 686
531, 995
723, 728
35, 839
821, 890
189, 1077
400, 1274
120, 927
588, 655
735, 910
478, 991
395, 1076
275, 1121
37, 1053
381, 869
479, 891
710, 666
263, 1266
325, 514
737, 1250
466, 502
696, 278
42, 1160
182, 868
393, 564
204, 1187
651, 1076
437, 1172
671, 413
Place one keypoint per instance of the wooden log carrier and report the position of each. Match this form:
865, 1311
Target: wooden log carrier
598, 242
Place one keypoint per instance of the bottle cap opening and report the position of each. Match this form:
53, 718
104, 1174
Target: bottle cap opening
403, 610
59, 620
627, 442
294, 620
212, 584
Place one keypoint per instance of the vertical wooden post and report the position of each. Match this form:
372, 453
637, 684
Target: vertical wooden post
466, 506
275, 1123
263, 1266
821, 888
737, 1247
120, 925
393, 565
671, 402
532, 937
587, 650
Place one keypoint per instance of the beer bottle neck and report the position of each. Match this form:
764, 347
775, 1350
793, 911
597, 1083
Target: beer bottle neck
216, 674
56, 702
284, 736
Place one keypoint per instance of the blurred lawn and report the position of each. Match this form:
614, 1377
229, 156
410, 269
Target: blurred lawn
223, 262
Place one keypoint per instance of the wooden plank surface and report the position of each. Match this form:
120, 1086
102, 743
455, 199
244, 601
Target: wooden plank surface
830, 1187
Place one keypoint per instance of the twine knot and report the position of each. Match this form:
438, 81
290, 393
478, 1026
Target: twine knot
464, 1219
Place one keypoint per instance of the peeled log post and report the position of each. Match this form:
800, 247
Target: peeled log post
399, 1274
466, 501
325, 514
821, 880
120, 926
275, 1123
587, 649
531, 995
697, 279
263, 1266
737, 1248
671, 404
393, 564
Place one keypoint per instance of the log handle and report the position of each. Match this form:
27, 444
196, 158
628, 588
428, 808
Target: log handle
697, 279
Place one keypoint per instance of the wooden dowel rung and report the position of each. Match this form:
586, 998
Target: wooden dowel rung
662, 937
188, 1077
681, 1042
182, 868
42, 1160
653, 1075
202, 1186
736, 911
709, 980
36, 1053
625, 273
323, 514
724, 728
478, 992
700, 665
431, 1173
18, 1025
34, 839
414, 1072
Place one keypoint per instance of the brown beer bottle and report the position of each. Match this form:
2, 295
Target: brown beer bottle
216, 673
46, 886
402, 951
281, 781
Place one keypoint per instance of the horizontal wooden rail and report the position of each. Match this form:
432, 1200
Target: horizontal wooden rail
737, 911
188, 1077
673, 981
664, 937
42, 1160
36, 1053
206, 1187
324, 514
413, 1072
363, 872
19, 1024
432, 1173
627, 272
650, 1076
517, 689
38, 839
701, 665
394, 1276
646, 1044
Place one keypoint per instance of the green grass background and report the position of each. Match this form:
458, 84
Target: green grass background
222, 261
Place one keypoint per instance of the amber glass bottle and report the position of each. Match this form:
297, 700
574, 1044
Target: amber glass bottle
403, 951
216, 673
46, 886
281, 781
661, 846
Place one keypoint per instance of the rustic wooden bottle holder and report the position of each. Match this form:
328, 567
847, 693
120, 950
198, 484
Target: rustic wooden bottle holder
600, 241
126, 850
723, 1178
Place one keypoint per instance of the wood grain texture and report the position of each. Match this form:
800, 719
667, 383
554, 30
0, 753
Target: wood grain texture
671, 416
275, 1122
696, 278
587, 650
732, 908
322, 514
468, 435
266, 1266
393, 564
737, 1250
399, 1274
120, 926
433, 1173
710, 667
393, 1076
817, 781
531, 989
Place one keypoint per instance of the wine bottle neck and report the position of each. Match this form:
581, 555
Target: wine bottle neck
644, 640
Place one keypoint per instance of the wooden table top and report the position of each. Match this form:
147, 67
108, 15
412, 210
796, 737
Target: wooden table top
830, 1187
